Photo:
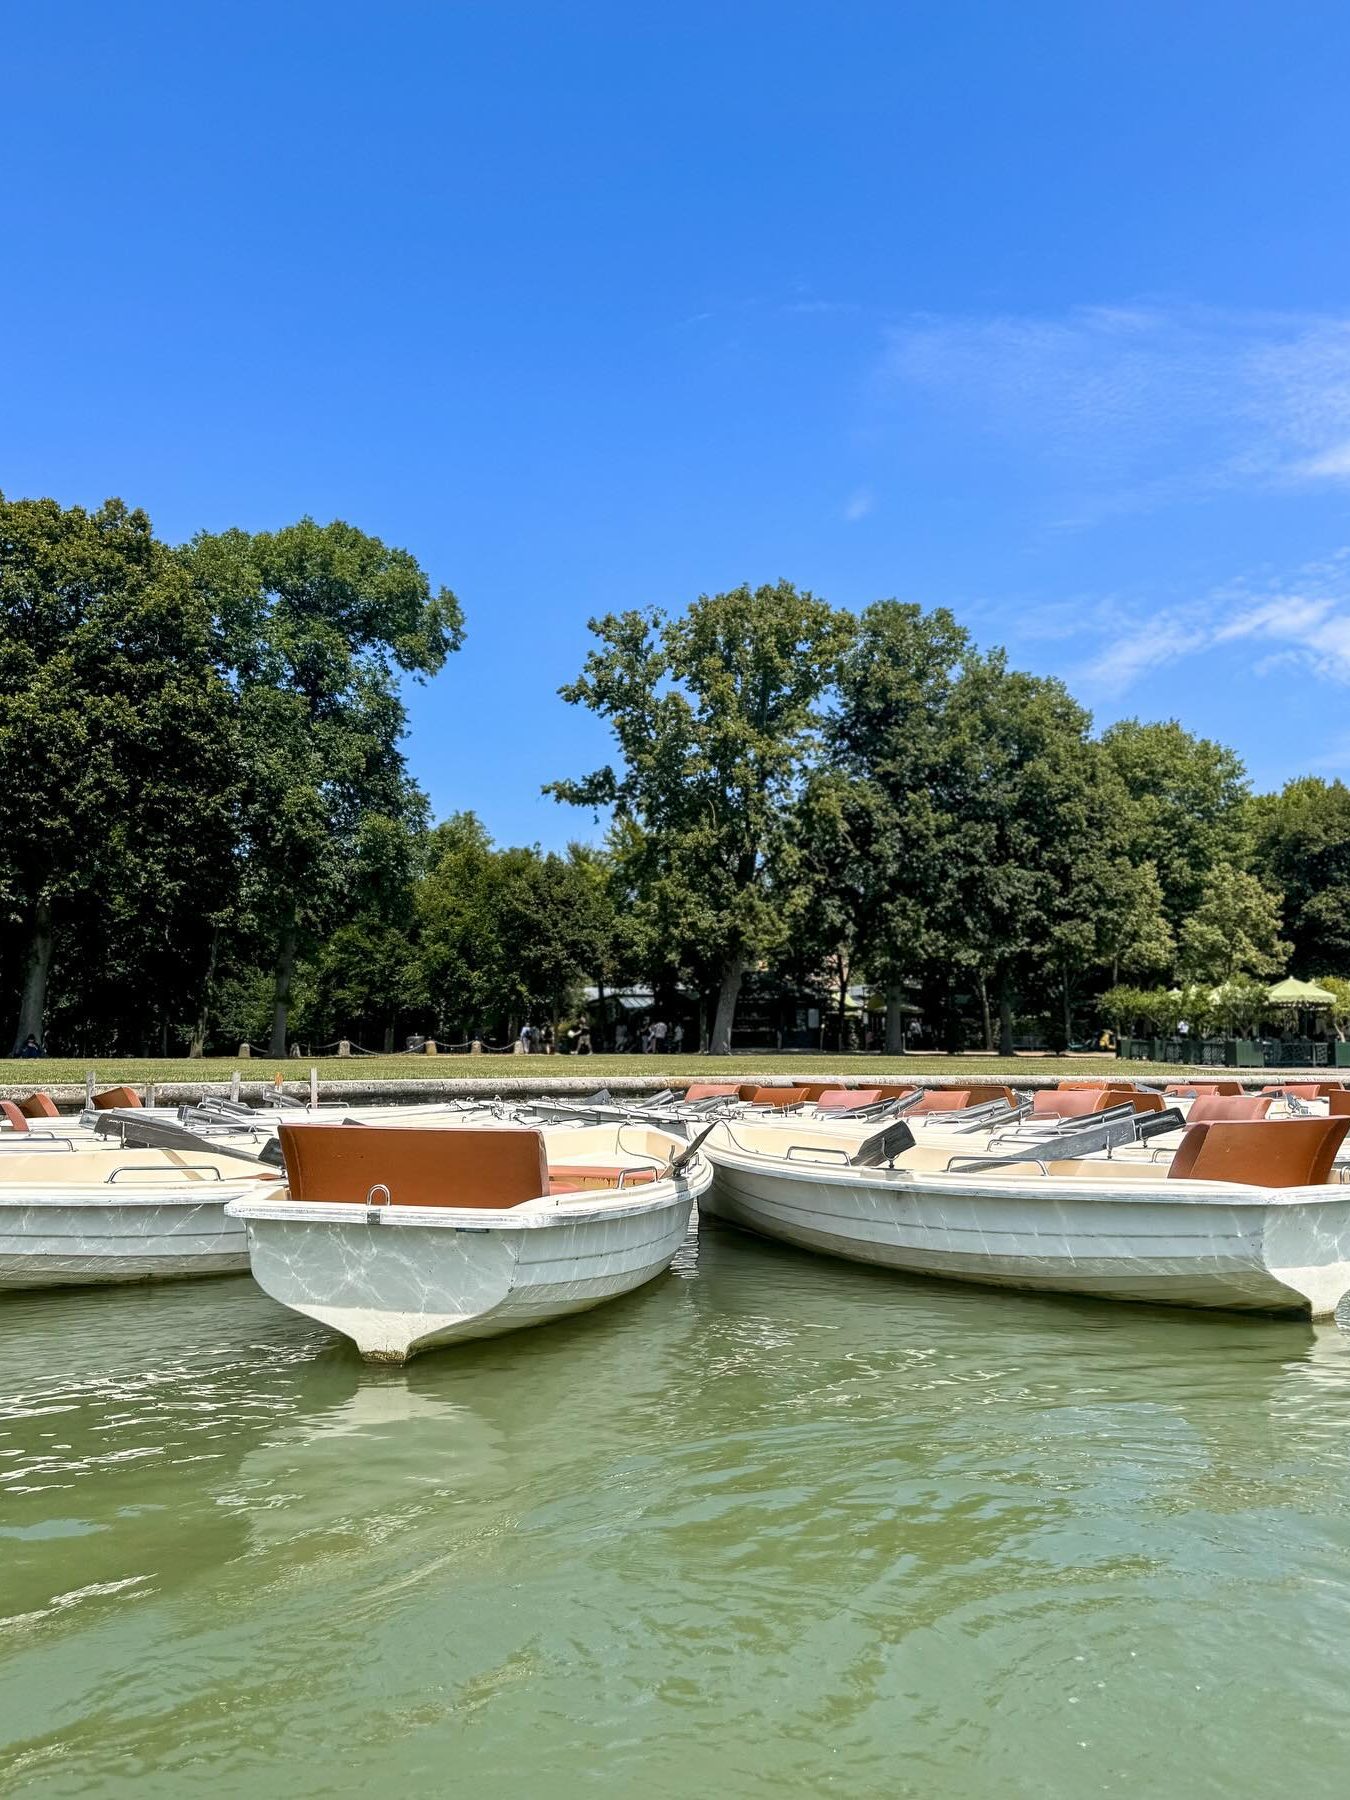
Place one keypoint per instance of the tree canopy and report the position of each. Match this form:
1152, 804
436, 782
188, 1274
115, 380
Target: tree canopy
211, 834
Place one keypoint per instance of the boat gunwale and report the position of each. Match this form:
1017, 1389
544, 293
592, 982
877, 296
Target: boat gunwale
1143, 1188
531, 1215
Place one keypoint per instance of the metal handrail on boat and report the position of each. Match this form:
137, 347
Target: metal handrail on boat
155, 1169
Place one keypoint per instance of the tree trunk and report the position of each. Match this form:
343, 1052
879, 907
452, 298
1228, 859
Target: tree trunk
727, 995
1068, 1011
197, 1047
985, 1015
1005, 1023
389, 1037
37, 963
284, 974
600, 1013
895, 1020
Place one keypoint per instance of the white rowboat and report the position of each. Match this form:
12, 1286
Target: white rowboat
1118, 1230
464, 1233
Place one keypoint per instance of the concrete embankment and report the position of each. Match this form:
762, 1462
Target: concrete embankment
413, 1091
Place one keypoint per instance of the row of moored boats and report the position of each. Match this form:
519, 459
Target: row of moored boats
405, 1228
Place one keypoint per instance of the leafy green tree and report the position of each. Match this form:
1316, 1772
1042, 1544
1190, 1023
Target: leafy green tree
1188, 807
507, 936
716, 714
873, 833
1234, 931
1303, 849
119, 816
317, 624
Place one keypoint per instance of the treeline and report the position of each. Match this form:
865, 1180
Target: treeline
210, 833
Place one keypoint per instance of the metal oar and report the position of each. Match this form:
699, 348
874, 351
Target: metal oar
138, 1132
883, 1146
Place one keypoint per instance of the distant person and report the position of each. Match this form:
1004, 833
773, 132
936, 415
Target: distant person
527, 1038
584, 1039
30, 1049
1107, 1041
677, 1038
573, 1035
546, 1038
658, 1036
620, 1038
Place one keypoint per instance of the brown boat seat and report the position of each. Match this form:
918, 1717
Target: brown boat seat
1064, 1103
1179, 1090
1260, 1153
116, 1098
1211, 1107
1293, 1090
1338, 1103
1327, 1088
711, 1090
933, 1100
772, 1096
10, 1113
846, 1099
578, 1180
420, 1165
1135, 1097
39, 1106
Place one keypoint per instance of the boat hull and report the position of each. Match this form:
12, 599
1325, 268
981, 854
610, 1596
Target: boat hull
407, 1279
78, 1242
1230, 1248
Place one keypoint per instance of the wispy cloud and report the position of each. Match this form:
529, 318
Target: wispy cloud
1137, 406
1303, 624
858, 505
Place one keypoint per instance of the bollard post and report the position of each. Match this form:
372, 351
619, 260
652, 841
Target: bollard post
245, 1051
234, 1085
476, 1047
430, 1048
313, 1087
344, 1046
89, 1090
149, 1095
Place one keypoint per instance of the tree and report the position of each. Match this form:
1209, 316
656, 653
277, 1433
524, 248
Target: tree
1188, 807
873, 834
1303, 849
317, 624
717, 715
506, 935
1234, 931
119, 816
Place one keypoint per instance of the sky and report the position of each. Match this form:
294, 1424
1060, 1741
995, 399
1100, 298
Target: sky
1038, 311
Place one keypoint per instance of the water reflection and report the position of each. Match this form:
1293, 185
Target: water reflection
773, 1525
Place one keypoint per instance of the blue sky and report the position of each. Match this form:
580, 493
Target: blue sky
1039, 311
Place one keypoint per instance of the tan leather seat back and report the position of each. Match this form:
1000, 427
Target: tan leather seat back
1264, 1153
843, 1099
39, 1106
1065, 1103
420, 1166
1123, 1096
115, 1098
12, 1116
772, 1096
711, 1090
1211, 1107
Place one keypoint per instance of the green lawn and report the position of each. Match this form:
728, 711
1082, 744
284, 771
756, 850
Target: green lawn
137, 1071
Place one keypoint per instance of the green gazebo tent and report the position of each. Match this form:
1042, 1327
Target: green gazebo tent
1290, 992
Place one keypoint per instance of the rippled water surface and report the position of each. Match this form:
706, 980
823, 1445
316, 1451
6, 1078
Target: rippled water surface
775, 1526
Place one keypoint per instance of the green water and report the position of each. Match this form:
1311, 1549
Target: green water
775, 1526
